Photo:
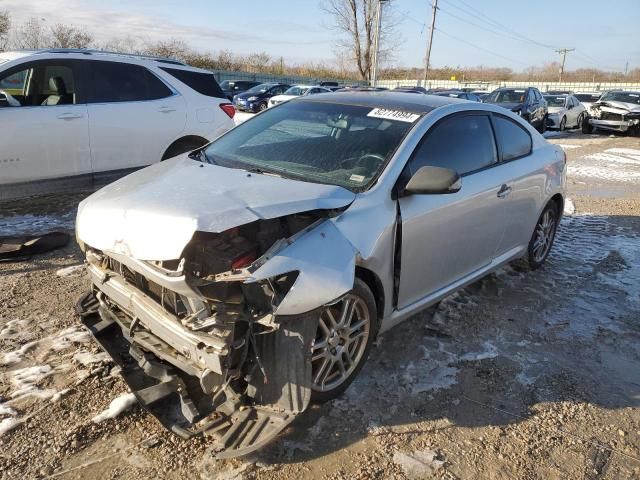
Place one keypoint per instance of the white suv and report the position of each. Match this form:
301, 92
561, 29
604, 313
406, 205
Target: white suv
71, 117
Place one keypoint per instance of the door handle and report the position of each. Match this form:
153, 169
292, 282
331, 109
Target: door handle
69, 116
166, 109
504, 191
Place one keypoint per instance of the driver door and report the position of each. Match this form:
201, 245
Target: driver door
448, 237
47, 135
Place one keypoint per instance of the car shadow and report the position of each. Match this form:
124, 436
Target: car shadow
497, 352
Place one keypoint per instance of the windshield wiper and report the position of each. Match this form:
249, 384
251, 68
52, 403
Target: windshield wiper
201, 156
262, 171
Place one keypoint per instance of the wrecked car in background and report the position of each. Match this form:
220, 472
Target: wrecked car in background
236, 284
615, 111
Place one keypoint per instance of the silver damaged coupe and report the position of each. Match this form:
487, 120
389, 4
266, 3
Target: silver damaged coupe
238, 283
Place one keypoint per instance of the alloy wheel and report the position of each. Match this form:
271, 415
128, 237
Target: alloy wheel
545, 230
340, 343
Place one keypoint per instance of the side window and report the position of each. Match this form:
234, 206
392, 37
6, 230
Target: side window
203, 83
515, 141
442, 147
123, 82
15, 84
41, 84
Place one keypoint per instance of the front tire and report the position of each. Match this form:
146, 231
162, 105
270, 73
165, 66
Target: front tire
543, 236
563, 124
346, 331
262, 107
543, 125
586, 126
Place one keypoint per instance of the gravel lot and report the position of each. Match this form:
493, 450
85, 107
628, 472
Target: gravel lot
521, 375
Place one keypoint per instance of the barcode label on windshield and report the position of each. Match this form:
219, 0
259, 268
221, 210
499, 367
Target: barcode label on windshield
397, 115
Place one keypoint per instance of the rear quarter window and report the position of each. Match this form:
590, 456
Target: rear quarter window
203, 83
514, 141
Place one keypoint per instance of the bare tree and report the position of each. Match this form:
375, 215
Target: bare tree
127, 44
172, 48
355, 22
68, 36
5, 27
31, 34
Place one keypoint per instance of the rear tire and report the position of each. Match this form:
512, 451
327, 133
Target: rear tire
543, 236
346, 331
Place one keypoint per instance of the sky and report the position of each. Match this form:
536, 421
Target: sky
604, 34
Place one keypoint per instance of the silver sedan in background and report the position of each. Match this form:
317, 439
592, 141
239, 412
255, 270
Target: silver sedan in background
240, 282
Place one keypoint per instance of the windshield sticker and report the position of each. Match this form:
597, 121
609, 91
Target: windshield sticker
397, 115
357, 178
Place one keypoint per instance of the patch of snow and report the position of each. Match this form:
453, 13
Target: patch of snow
68, 271
489, 351
16, 356
8, 424
569, 207
26, 380
565, 146
56, 397
4, 410
549, 134
69, 336
630, 152
120, 404
419, 464
13, 327
88, 358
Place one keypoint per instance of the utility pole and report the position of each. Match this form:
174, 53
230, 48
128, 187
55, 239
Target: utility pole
428, 56
626, 69
376, 44
563, 52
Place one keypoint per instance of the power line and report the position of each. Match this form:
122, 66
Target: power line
501, 34
497, 24
480, 48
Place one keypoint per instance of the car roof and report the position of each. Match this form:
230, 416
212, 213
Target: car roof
385, 99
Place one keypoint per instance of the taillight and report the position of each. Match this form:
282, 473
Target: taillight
228, 109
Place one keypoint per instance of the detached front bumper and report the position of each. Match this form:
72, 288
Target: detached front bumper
199, 383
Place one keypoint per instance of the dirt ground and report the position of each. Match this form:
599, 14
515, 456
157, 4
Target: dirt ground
522, 375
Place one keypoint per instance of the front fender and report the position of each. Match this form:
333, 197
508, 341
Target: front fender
325, 260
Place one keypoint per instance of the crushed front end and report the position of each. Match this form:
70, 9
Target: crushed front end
614, 118
206, 342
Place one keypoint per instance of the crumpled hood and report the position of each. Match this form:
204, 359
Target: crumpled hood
153, 213
629, 107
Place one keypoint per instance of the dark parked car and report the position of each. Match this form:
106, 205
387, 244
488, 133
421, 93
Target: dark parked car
409, 90
458, 94
256, 99
527, 102
411, 87
559, 92
234, 87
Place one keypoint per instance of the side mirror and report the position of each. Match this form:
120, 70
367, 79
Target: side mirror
434, 180
4, 102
